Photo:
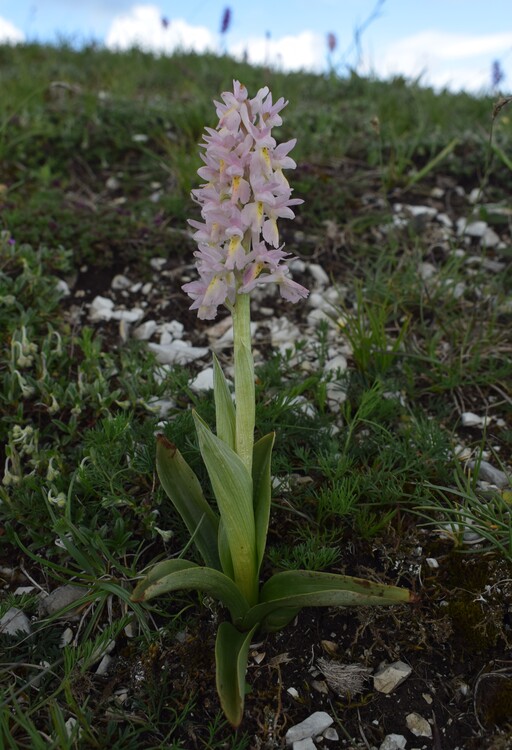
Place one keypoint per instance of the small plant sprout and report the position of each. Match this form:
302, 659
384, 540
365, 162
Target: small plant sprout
244, 194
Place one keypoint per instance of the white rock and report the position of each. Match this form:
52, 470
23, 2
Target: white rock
474, 195
20, 590
418, 725
437, 193
177, 353
147, 287
432, 562
390, 677
112, 183
336, 395
393, 742
66, 638
171, 331
129, 316
427, 212
145, 330
318, 273
490, 238
316, 316
470, 419
121, 282
310, 727
14, 621
227, 338
337, 363
305, 744
101, 308
60, 598
445, 220
293, 692
476, 229
283, 333
488, 473
427, 270
203, 381
161, 406
157, 263
62, 287
331, 734
104, 665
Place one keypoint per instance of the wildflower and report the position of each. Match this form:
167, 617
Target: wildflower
226, 20
244, 195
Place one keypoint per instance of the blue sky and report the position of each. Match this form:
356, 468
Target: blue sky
448, 42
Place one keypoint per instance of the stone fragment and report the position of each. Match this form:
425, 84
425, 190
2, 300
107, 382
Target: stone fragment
129, 316
101, 309
203, 381
488, 473
331, 734
393, 742
490, 238
427, 212
14, 621
337, 363
177, 353
390, 677
470, 419
305, 744
418, 725
315, 724
318, 273
60, 598
145, 330
121, 282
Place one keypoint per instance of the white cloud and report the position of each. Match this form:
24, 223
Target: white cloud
142, 27
457, 61
9, 32
305, 51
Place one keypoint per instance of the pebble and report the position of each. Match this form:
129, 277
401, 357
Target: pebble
391, 676
488, 473
145, 330
177, 352
203, 381
120, 282
60, 598
470, 419
14, 621
315, 724
393, 742
418, 725
318, 273
338, 363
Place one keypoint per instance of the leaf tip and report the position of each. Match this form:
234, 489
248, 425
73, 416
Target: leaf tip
166, 443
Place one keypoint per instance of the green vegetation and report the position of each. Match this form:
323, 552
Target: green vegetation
99, 154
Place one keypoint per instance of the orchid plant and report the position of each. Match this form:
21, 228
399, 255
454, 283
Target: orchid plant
244, 194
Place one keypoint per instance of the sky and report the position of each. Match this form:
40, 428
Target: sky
444, 43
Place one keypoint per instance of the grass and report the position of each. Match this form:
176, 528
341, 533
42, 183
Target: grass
98, 154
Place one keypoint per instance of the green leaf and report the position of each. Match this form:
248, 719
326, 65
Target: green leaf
182, 487
177, 575
262, 491
231, 652
295, 589
225, 417
232, 487
224, 553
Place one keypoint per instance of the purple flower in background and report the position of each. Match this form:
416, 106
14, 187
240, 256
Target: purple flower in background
497, 75
226, 20
332, 42
165, 22
244, 196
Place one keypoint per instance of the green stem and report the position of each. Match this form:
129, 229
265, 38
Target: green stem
244, 379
